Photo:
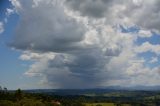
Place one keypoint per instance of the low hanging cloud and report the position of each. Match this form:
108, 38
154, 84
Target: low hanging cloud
84, 50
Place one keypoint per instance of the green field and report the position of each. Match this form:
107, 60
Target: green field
103, 104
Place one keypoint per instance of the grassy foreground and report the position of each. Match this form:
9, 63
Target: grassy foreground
104, 104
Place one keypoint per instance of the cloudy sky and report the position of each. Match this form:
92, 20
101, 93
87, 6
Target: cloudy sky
79, 43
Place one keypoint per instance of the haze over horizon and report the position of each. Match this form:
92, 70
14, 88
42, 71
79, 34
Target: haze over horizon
79, 43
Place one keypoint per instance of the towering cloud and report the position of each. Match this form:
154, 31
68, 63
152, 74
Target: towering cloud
81, 44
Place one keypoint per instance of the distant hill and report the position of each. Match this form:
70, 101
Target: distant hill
95, 91
145, 88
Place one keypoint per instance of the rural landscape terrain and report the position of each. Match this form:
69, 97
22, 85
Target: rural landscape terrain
79, 97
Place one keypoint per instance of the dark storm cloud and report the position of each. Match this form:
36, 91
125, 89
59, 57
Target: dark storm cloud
78, 70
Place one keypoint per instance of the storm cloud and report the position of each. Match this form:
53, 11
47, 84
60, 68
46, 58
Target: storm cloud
80, 44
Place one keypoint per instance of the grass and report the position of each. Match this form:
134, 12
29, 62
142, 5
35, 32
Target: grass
103, 104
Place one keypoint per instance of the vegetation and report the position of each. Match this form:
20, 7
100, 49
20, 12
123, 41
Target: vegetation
113, 98
106, 104
19, 98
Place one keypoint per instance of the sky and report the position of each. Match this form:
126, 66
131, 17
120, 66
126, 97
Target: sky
78, 44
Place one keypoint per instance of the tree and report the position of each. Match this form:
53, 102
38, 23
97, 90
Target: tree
1, 89
18, 94
5, 89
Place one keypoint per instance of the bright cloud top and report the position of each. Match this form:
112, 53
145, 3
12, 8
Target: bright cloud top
82, 43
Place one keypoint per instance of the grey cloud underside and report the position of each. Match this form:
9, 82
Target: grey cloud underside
93, 8
47, 28
76, 70
145, 14
151, 15
83, 69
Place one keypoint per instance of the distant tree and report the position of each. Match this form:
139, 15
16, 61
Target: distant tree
18, 94
5, 89
1, 89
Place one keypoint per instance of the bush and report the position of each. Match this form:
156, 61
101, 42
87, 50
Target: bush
6, 103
